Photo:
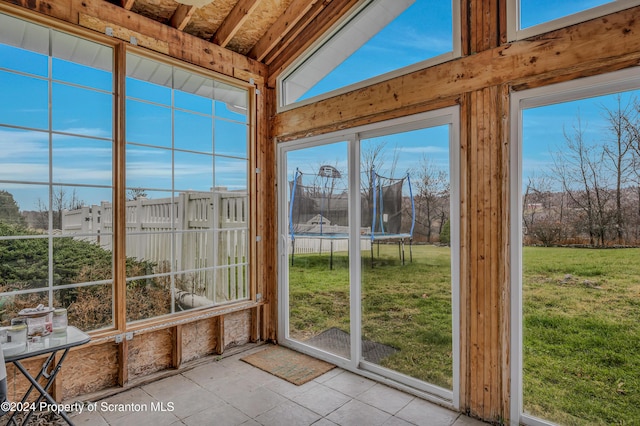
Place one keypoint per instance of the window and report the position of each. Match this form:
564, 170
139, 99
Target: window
370, 250
378, 38
575, 233
56, 148
187, 201
186, 166
529, 17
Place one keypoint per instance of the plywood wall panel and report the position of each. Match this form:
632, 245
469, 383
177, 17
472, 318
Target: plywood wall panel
198, 339
88, 370
237, 328
150, 352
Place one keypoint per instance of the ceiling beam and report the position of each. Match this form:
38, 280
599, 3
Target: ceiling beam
234, 21
285, 23
181, 16
318, 21
127, 4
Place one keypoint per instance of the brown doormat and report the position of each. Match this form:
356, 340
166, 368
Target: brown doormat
289, 365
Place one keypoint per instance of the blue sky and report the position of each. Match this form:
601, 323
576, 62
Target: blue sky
82, 156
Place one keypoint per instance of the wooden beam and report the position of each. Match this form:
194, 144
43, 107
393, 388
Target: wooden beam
296, 11
234, 21
181, 16
320, 19
579, 50
127, 4
123, 33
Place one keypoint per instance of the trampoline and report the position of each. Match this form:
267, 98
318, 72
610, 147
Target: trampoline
319, 210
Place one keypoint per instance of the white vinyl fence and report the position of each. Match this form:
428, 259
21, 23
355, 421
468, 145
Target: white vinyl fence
204, 234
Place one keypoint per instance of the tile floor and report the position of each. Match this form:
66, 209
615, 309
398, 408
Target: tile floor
232, 392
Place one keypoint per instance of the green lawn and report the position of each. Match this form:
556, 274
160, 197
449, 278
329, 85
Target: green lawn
581, 323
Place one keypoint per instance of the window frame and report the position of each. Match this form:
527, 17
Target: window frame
514, 32
176, 64
604, 84
118, 189
282, 106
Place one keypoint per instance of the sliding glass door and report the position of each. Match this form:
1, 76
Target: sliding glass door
369, 246
317, 245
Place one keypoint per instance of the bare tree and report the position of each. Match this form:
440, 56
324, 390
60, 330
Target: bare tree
579, 169
431, 198
619, 152
61, 199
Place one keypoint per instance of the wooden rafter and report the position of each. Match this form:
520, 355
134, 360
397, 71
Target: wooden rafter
234, 21
181, 16
318, 20
297, 10
127, 4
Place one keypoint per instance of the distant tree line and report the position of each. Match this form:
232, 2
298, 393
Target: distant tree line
591, 193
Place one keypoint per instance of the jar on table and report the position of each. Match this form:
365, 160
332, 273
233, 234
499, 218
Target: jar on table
60, 321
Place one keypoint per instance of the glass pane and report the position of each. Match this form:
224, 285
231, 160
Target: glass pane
25, 261
25, 61
80, 259
580, 334
24, 101
231, 102
231, 138
148, 167
82, 75
193, 132
406, 289
25, 155
81, 111
318, 275
24, 35
149, 80
84, 210
148, 124
14, 303
88, 307
195, 289
82, 160
532, 14
193, 172
148, 298
402, 32
25, 205
193, 92
80, 61
231, 174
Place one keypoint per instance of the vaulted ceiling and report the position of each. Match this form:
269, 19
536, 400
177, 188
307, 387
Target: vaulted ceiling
259, 29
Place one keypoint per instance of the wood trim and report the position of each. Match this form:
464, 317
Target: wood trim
176, 352
119, 192
465, 244
234, 20
504, 250
219, 325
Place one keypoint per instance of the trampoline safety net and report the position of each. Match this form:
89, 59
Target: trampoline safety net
319, 205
